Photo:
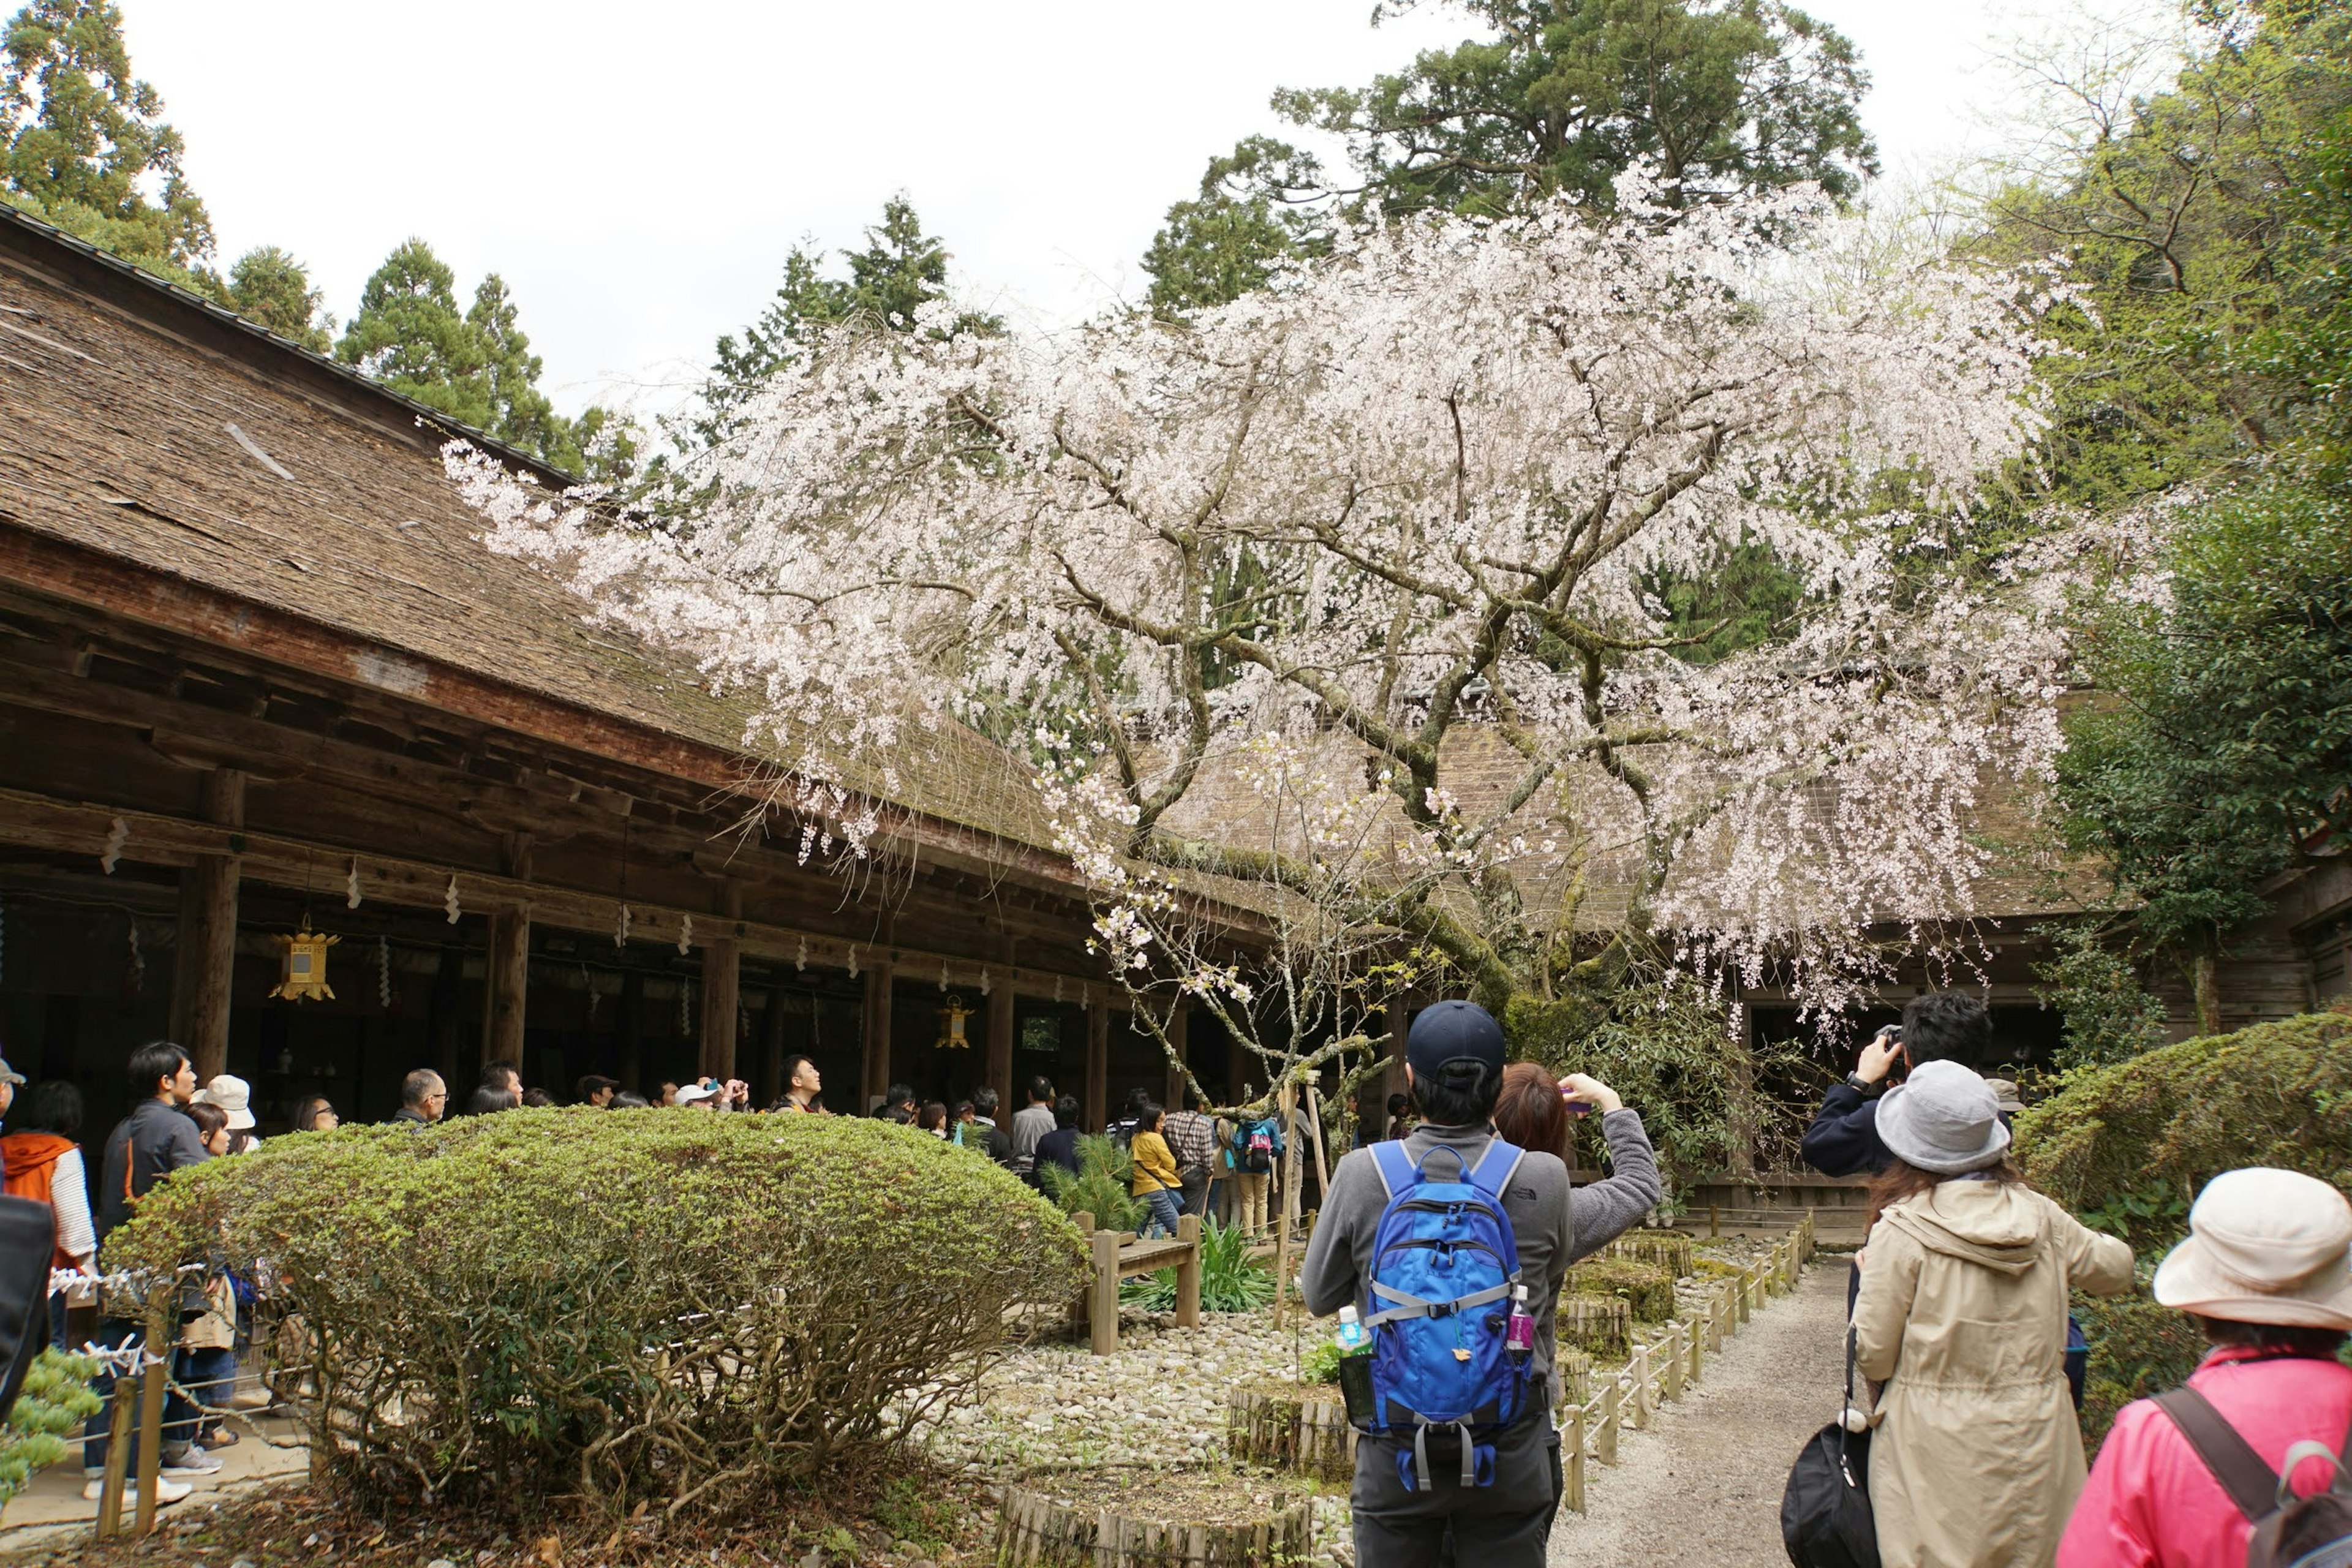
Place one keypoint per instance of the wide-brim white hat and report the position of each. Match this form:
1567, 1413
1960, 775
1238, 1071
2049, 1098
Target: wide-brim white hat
1943, 1119
233, 1095
2264, 1247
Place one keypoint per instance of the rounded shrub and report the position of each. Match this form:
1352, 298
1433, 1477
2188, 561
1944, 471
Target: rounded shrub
642, 1307
1646, 1288
2131, 1140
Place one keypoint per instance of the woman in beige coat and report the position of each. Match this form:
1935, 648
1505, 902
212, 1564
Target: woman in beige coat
1962, 1315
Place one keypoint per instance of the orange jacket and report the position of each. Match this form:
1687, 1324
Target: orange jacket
30, 1162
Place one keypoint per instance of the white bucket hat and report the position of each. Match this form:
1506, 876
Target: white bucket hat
1943, 1119
2264, 1247
233, 1095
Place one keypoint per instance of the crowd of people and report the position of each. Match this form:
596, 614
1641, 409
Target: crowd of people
1957, 1323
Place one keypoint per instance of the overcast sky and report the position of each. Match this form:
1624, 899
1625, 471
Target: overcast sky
638, 171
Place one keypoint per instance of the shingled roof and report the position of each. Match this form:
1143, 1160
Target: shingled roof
149, 424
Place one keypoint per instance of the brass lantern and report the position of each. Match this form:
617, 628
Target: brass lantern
952, 1012
302, 965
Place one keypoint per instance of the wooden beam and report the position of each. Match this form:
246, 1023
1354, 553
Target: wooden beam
876, 1063
506, 984
1000, 1050
722, 978
204, 967
1098, 1066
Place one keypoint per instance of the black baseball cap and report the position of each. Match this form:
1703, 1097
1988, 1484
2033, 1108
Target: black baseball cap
1453, 1031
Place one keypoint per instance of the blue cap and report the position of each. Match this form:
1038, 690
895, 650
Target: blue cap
1453, 1031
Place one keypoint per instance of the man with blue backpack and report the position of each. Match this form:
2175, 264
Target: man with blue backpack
1448, 1247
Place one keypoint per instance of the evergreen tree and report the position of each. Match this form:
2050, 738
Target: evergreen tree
268, 287
521, 414
1560, 96
85, 145
409, 334
900, 271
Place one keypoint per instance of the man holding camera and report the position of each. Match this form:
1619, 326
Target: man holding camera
1943, 1026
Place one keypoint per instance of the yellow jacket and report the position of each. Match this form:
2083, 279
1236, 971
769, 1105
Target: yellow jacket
1155, 1166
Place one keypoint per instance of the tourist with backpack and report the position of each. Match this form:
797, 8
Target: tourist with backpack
1251, 1155
2191, 1479
42, 1159
1449, 1247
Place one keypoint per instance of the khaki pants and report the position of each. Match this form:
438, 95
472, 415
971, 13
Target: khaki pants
1249, 1200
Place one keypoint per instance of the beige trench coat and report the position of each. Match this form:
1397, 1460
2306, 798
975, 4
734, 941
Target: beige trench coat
1977, 1459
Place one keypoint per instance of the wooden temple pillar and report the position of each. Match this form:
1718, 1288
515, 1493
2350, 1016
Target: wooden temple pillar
722, 990
205, 964
1098, 1066
999, 1051
877, 1059
506, 983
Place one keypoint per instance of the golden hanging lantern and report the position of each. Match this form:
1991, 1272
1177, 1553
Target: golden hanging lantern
952, 1014
302, 965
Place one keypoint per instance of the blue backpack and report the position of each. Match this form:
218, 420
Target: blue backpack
1444, 1263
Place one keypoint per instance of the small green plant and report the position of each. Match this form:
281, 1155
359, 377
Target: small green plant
1231, 1281
2146, 1215
1099, 1187
909, 1513
55, 1398
1319, 1363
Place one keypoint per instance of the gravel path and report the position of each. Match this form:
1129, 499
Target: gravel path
1701, 1487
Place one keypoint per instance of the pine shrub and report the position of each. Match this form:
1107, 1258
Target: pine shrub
54, 1400
652, 1307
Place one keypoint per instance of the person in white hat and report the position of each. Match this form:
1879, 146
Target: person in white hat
235, 1097
2264, 1275
1962, 1315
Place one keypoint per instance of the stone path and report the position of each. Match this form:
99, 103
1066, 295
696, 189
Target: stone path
1701, 1487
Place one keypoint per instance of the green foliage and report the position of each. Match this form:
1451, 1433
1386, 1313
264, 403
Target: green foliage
1649, 1290
1231, 1280
2160, 1209
2276, 1094
910, 1513
1555, 96
268, 287
1320, 1362
2229, 736
2106, 1015
2137, 1349
650, 1307
53, 1402
900, 271
85, 148
1101, 1187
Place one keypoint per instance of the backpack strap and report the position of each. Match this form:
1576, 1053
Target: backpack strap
2251, 1484
1411, 1306
1496, 1168
1397, 1171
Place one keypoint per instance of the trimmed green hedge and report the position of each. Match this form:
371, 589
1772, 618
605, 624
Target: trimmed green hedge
656, 1306
2130, 1140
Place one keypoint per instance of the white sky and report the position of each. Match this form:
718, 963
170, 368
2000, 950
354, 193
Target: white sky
637, 173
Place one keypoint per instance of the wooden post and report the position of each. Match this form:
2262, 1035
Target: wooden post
1645, 1396
1670, 1386
1604, 1441
1103, 1315
876, 1061
150, 1434
1000, 1048
1713, 1219
722, 993
120, 1437
1188, 1273
205, 963
1695, 1327
1744, 1290
1097, 1068
506, 983
1315, 1131
1286, 1102
1571, 1460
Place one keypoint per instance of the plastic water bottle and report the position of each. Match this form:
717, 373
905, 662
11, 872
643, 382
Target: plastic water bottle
1520, 1333
1355, 1368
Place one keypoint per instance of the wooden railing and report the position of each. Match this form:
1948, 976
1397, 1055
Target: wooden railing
1117, 1255
1660, 1369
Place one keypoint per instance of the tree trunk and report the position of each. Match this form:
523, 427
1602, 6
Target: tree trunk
2205, 986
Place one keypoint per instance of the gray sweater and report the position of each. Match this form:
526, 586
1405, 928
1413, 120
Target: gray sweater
1552, 1228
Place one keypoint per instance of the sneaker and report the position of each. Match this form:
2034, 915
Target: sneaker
219, 1438
167, 1492
190, 1461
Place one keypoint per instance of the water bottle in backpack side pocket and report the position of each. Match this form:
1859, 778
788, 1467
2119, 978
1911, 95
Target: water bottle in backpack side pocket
1520, 1333
1355, 1368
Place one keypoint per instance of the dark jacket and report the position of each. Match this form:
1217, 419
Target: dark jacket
411, 1115
1843, 1139
155, 1140
1060, 1147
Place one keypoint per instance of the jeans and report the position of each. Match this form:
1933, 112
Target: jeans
210, 1378
178, 1414
1164, 1214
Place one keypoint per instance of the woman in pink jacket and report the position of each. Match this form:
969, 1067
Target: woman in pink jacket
2264, 1274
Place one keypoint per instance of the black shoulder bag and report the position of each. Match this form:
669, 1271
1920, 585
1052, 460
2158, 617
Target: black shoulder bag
1825, 1519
